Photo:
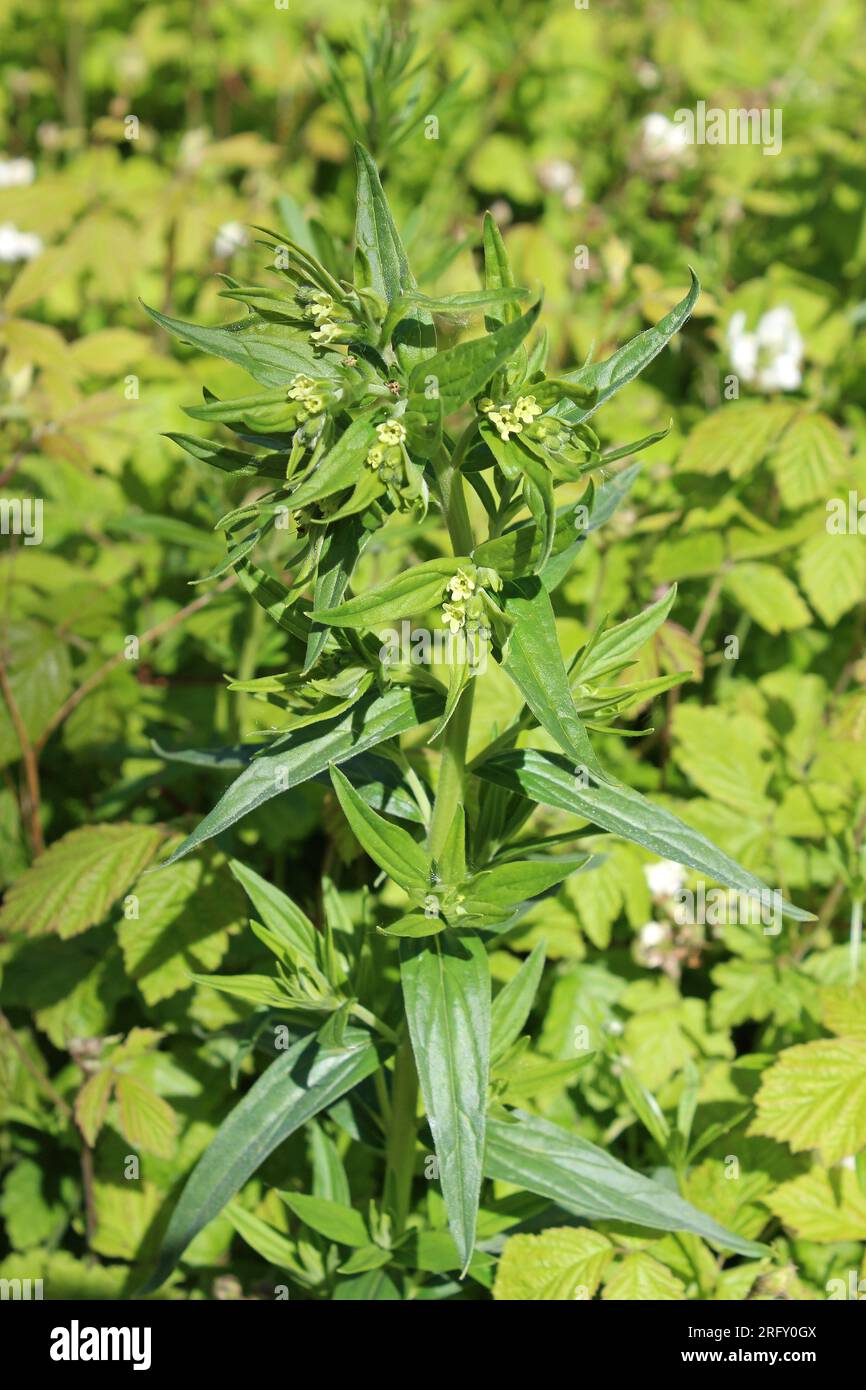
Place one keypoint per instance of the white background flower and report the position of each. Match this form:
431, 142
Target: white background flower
664, 878
771, 358
16, 173
18, 246
231, 237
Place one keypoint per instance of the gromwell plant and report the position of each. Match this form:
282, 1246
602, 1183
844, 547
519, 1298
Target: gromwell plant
389, 1026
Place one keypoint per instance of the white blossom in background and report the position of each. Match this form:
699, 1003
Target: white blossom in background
231, 237
17, 246
664, 878
653, 934
558, 176
662, 141
16, 173
771, 358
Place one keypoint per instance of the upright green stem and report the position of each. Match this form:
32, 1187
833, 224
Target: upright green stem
400, 1147
452, 770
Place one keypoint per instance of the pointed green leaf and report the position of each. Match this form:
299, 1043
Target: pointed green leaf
534, 662
389, 846
300, 755
549, 779
333, 1220
629, 361
300, 1083
413, 591
446, 989
582, 1178
271, 352
461, 372
513, 1003
280, 915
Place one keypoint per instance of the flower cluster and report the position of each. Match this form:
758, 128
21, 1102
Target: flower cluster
313, 396
332, 324
509, 419
468, 602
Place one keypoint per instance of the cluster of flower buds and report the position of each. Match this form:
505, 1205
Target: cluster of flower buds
389, 459
333, 323
554, 438
469, 605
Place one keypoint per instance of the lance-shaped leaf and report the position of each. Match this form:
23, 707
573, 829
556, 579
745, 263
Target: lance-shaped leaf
446, 989
461, 372
505, 886
549, 779
382, 262
275, 597
582, 1178
389, 846
334, 1220
300, 755
618, 643
305, 1080
281, 916
340, 468
233, 461
498, 275
345, 541
534, 662
513, 1002
629, 361
538, 492
517, 551
413, 591
270, 350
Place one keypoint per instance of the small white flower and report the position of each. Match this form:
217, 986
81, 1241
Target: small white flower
526, 409
461, 586
664, 878
662, 140
771, 358
652, 934
18, 246
231, 237
556, 175
16, 173
391, 432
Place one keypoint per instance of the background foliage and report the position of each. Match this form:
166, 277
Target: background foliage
246, 115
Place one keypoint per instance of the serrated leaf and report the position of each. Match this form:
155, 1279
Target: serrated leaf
446, 991
560, 1265
183, 915
832, 573
821, 1206
77, 880
810, 454
814, 1097
768, 596
637, 1277
147, 1121
91, 1104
